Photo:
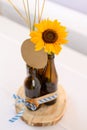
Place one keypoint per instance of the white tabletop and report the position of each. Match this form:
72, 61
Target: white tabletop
72, 70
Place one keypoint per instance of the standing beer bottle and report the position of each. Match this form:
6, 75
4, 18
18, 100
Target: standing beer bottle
32, 84
50, 78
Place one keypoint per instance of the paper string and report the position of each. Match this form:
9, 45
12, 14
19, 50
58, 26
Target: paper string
48, 99
15, 118
31, 106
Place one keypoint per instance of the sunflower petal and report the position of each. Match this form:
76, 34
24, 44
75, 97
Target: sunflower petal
44, 25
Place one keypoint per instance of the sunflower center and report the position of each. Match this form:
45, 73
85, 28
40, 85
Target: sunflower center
49, 36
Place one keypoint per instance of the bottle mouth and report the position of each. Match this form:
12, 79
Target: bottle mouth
32, 71
51, 56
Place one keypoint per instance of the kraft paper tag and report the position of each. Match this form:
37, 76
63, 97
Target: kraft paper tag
35, 59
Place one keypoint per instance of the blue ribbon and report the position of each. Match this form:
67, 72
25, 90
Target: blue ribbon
20, 114
31, 106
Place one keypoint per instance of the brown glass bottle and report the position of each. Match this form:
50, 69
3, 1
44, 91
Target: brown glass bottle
40, 76
32, 84
50, 78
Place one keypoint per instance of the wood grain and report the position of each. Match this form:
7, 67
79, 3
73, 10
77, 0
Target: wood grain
45, 115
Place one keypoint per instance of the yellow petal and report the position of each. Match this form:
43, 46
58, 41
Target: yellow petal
36, 36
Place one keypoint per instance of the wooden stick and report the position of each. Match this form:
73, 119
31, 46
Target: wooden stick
42, 10
17, 10
25, 10
38, 11
29, 19
35, 14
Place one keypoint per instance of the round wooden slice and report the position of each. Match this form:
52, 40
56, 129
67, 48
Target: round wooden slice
45, 115
35, 59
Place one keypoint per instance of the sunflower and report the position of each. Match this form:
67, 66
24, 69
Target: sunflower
49, 35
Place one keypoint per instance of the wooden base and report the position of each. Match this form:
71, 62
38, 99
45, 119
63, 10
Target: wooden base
45, 115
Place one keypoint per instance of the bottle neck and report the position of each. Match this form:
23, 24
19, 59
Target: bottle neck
50, 68
51, 56
32, 72
50, 59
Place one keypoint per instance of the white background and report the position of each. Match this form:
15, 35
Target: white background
80, 5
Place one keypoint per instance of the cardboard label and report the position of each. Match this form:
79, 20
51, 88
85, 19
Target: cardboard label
35, 59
